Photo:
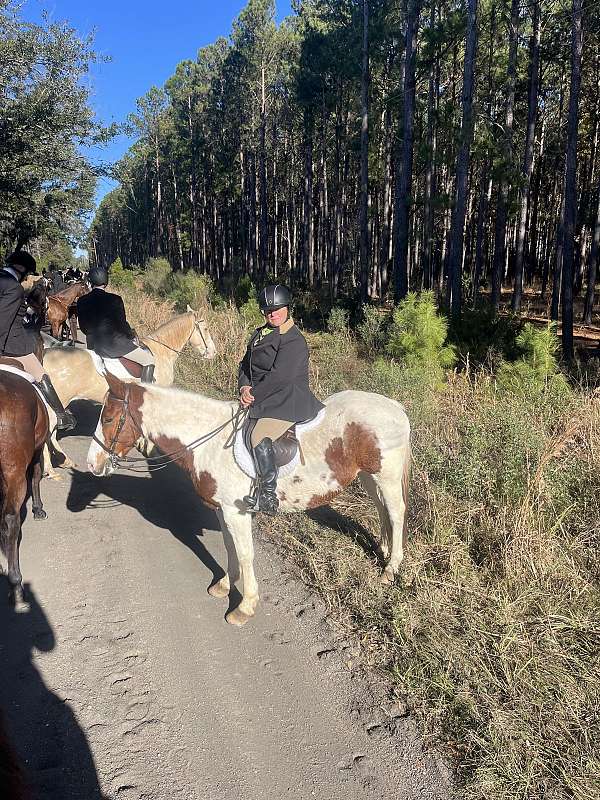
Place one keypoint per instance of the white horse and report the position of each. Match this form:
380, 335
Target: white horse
75, 376
361, 434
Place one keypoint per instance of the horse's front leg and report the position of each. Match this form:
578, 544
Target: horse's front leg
36, 476
73, 328
239, 527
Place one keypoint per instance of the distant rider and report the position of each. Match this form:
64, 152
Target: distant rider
102, 318
273, 385
17, 341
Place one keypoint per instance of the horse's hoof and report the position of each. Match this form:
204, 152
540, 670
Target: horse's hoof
39, 513
237, 617
387, 577
220, 588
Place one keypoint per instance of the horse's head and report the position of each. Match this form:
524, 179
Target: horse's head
200, 337
118, 428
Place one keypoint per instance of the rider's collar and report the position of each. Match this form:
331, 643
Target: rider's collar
12, 272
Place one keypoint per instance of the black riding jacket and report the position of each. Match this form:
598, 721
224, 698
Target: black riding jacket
101, 316
276, 367
15, 340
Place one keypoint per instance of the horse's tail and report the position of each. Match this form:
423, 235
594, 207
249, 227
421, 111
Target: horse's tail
406, 486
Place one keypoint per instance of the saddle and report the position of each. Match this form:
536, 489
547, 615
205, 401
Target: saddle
6, 361
287, 448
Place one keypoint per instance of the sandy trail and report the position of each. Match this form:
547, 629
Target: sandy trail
124, 681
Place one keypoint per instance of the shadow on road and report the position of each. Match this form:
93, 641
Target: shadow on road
43, 729
167, 500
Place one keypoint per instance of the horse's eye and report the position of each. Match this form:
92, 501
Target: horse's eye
108, 419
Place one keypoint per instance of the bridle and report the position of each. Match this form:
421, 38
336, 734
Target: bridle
155, 463
197, 324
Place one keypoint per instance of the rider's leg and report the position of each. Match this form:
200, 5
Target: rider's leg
145, 358
65, 420
265, 432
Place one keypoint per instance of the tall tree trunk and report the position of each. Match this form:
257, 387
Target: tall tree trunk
457, 227
570, 182
502, 205
263, 233
364, 159
404, 185
534, 70
592, 267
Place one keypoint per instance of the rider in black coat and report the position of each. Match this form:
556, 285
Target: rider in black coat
274, 387
18, 342
101, 316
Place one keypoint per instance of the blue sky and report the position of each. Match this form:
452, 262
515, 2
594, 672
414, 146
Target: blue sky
145, 40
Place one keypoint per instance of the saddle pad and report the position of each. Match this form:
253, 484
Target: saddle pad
112, 365
243, 457
16, 371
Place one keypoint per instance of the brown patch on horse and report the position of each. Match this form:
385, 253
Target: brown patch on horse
356, 451
204, 483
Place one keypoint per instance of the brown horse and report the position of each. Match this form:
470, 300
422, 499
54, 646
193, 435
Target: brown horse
23, 432
61, 306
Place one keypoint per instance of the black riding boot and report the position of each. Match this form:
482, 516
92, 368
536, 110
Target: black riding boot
65, 421
265, 497
147, 375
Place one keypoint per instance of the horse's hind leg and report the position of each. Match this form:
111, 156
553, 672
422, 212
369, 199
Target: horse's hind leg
36, 476
392, 482
370, 487
16, 490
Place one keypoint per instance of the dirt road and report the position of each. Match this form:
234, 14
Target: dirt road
124, 681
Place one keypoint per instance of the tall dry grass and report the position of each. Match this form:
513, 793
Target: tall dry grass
491, 633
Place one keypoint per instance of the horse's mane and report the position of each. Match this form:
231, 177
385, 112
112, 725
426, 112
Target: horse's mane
174, 394
174, 329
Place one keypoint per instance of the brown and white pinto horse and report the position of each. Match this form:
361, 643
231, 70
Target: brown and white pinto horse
23, 433
62, 306
362, 434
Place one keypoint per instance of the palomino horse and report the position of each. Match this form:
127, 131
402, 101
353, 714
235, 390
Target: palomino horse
23, 433
75, 377
62, 306
361, 434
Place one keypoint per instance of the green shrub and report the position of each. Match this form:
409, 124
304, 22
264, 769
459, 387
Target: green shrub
337, 322
484, 337
120, 277
251, 314
188, 288
243, 291
156, 275
372, 329
536, 372
418, 334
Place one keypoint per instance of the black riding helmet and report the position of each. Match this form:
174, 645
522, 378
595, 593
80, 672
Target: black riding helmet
23, 261
98, 276
274, 297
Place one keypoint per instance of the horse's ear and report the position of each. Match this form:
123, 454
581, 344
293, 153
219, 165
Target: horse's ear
116, 386
189, 308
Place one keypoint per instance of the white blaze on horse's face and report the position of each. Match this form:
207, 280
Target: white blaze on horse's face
97, 458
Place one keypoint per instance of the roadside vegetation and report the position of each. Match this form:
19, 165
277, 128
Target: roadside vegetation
491, 635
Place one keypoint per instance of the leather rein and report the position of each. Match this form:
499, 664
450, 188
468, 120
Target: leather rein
155, 463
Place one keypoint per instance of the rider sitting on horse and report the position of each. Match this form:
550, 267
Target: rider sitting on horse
101, 317
16, 341
273, 386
